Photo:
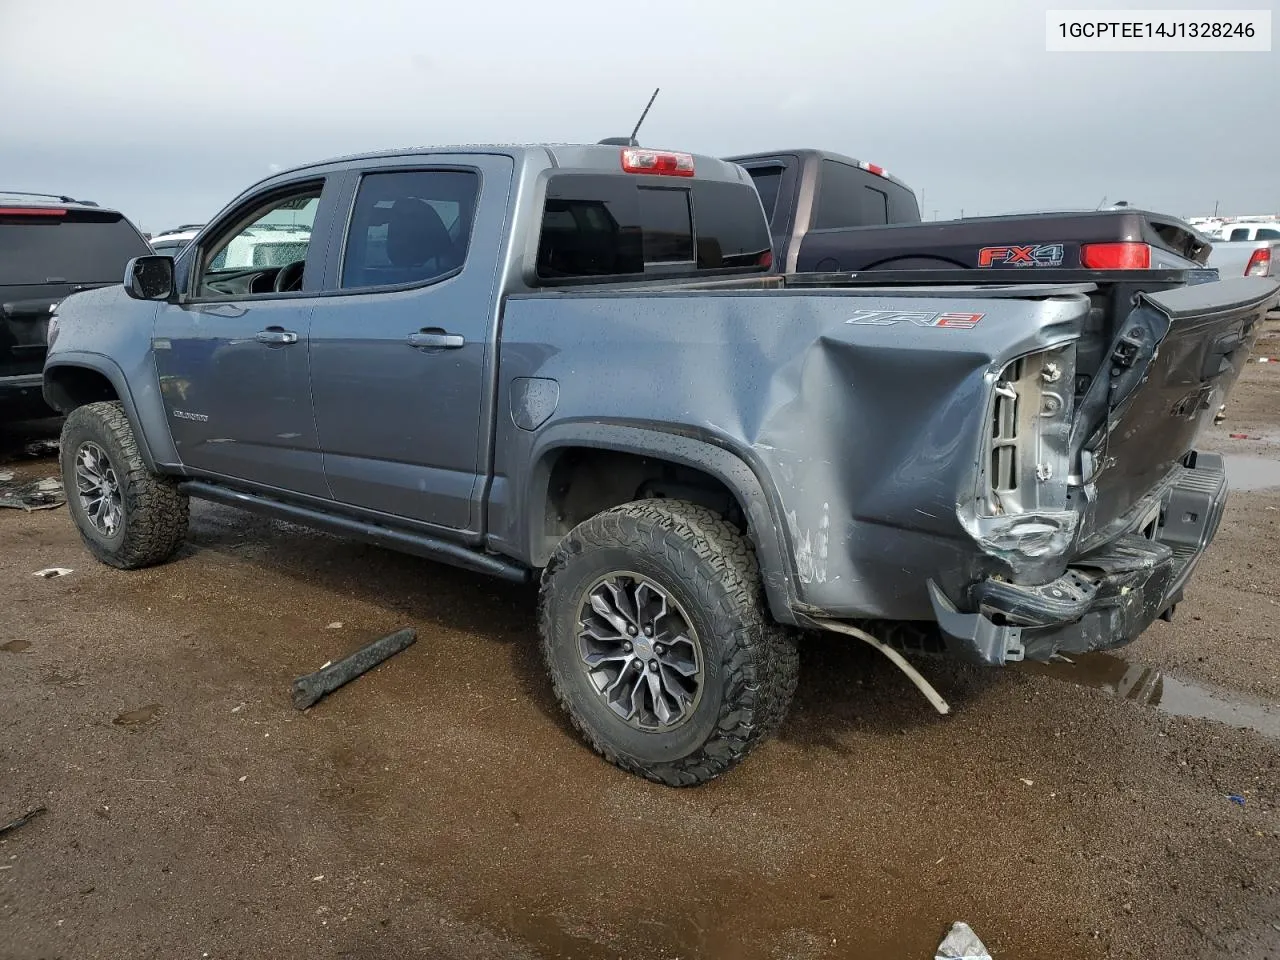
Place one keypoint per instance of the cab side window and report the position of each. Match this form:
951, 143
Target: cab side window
409, 227
265, 250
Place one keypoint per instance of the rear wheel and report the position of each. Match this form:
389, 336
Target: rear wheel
127, 516
658, 645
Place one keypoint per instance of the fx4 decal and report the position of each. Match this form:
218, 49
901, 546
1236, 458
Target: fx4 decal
1043, 255
885, 318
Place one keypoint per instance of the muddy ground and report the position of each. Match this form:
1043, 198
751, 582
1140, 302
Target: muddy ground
440, 807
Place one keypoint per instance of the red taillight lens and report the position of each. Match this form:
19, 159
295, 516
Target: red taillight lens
1259, 264
872, 168
32, 212
1115, 256
766, 259
660, 162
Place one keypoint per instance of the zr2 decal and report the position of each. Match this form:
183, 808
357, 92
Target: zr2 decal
1044, 255
886, 318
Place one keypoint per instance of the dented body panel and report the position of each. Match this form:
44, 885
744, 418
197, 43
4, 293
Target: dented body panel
863, 434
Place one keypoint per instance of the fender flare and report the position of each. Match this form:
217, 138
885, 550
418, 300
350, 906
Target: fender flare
108, 368
766, 531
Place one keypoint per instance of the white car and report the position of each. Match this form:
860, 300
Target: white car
171, 242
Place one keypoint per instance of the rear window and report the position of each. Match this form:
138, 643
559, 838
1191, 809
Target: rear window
767, 180
596, 225
80, 247
851, 197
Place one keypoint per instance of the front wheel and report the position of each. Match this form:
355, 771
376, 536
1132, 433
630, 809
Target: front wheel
127, 516
658, 645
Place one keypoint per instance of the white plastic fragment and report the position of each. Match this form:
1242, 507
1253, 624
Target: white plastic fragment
961, 943
48, 573
336, 625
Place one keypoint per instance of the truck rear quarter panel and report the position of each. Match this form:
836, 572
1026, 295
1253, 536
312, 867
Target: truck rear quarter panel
862, 435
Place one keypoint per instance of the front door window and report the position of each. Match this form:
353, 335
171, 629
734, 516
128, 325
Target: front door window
264, 252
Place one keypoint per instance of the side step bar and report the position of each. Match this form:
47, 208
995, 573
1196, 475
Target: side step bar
420, 545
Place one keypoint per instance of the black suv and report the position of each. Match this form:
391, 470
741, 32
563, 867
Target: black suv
50, 246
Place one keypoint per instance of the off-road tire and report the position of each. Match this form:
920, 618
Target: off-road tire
750, 662
154, 511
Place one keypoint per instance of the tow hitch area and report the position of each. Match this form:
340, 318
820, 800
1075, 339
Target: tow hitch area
1108, 595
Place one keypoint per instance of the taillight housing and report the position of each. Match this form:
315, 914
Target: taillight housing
872, 168
1021, 509
1259, 264
1115, 256
662, 162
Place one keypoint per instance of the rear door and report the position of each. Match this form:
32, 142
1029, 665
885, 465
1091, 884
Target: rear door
232, 356
399, 346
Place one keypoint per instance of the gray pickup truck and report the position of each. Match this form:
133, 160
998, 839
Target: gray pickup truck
572, 363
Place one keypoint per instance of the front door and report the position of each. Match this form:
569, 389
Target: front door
232, 356
398, 353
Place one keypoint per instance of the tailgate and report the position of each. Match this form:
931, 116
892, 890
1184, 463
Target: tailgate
1174, 361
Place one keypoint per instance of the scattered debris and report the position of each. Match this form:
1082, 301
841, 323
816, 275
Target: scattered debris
914, 675
41, 448
25, 818
307, 690
48, 573
1242, 436
1236, 799
336, 625
244, 778
961, 943
1267, 360
317, 879
1029, 783
44, 494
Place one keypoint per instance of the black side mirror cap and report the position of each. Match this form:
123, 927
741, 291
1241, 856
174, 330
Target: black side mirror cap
149, 278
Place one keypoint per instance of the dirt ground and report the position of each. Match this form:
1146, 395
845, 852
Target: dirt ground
440, 807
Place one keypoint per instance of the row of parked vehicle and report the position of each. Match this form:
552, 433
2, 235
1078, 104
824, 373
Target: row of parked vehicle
708, 404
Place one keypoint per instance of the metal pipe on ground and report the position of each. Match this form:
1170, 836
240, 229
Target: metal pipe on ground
310, 688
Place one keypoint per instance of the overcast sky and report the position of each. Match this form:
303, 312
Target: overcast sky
166, 109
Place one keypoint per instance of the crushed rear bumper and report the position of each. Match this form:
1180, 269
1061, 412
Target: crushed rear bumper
1107, 597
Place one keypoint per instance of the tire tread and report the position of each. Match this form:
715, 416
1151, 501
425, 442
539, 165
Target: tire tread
760, 659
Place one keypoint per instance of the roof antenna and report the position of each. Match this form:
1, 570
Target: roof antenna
631, 140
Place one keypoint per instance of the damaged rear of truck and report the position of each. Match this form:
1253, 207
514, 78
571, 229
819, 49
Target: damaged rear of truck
994, 471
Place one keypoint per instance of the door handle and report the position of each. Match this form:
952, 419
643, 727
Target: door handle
276, 335
436, 338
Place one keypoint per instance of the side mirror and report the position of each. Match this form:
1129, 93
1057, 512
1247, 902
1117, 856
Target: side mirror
149, 278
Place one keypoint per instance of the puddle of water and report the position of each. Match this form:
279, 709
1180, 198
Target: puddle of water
1252, 473
1133, 681
133, 718
16, 646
